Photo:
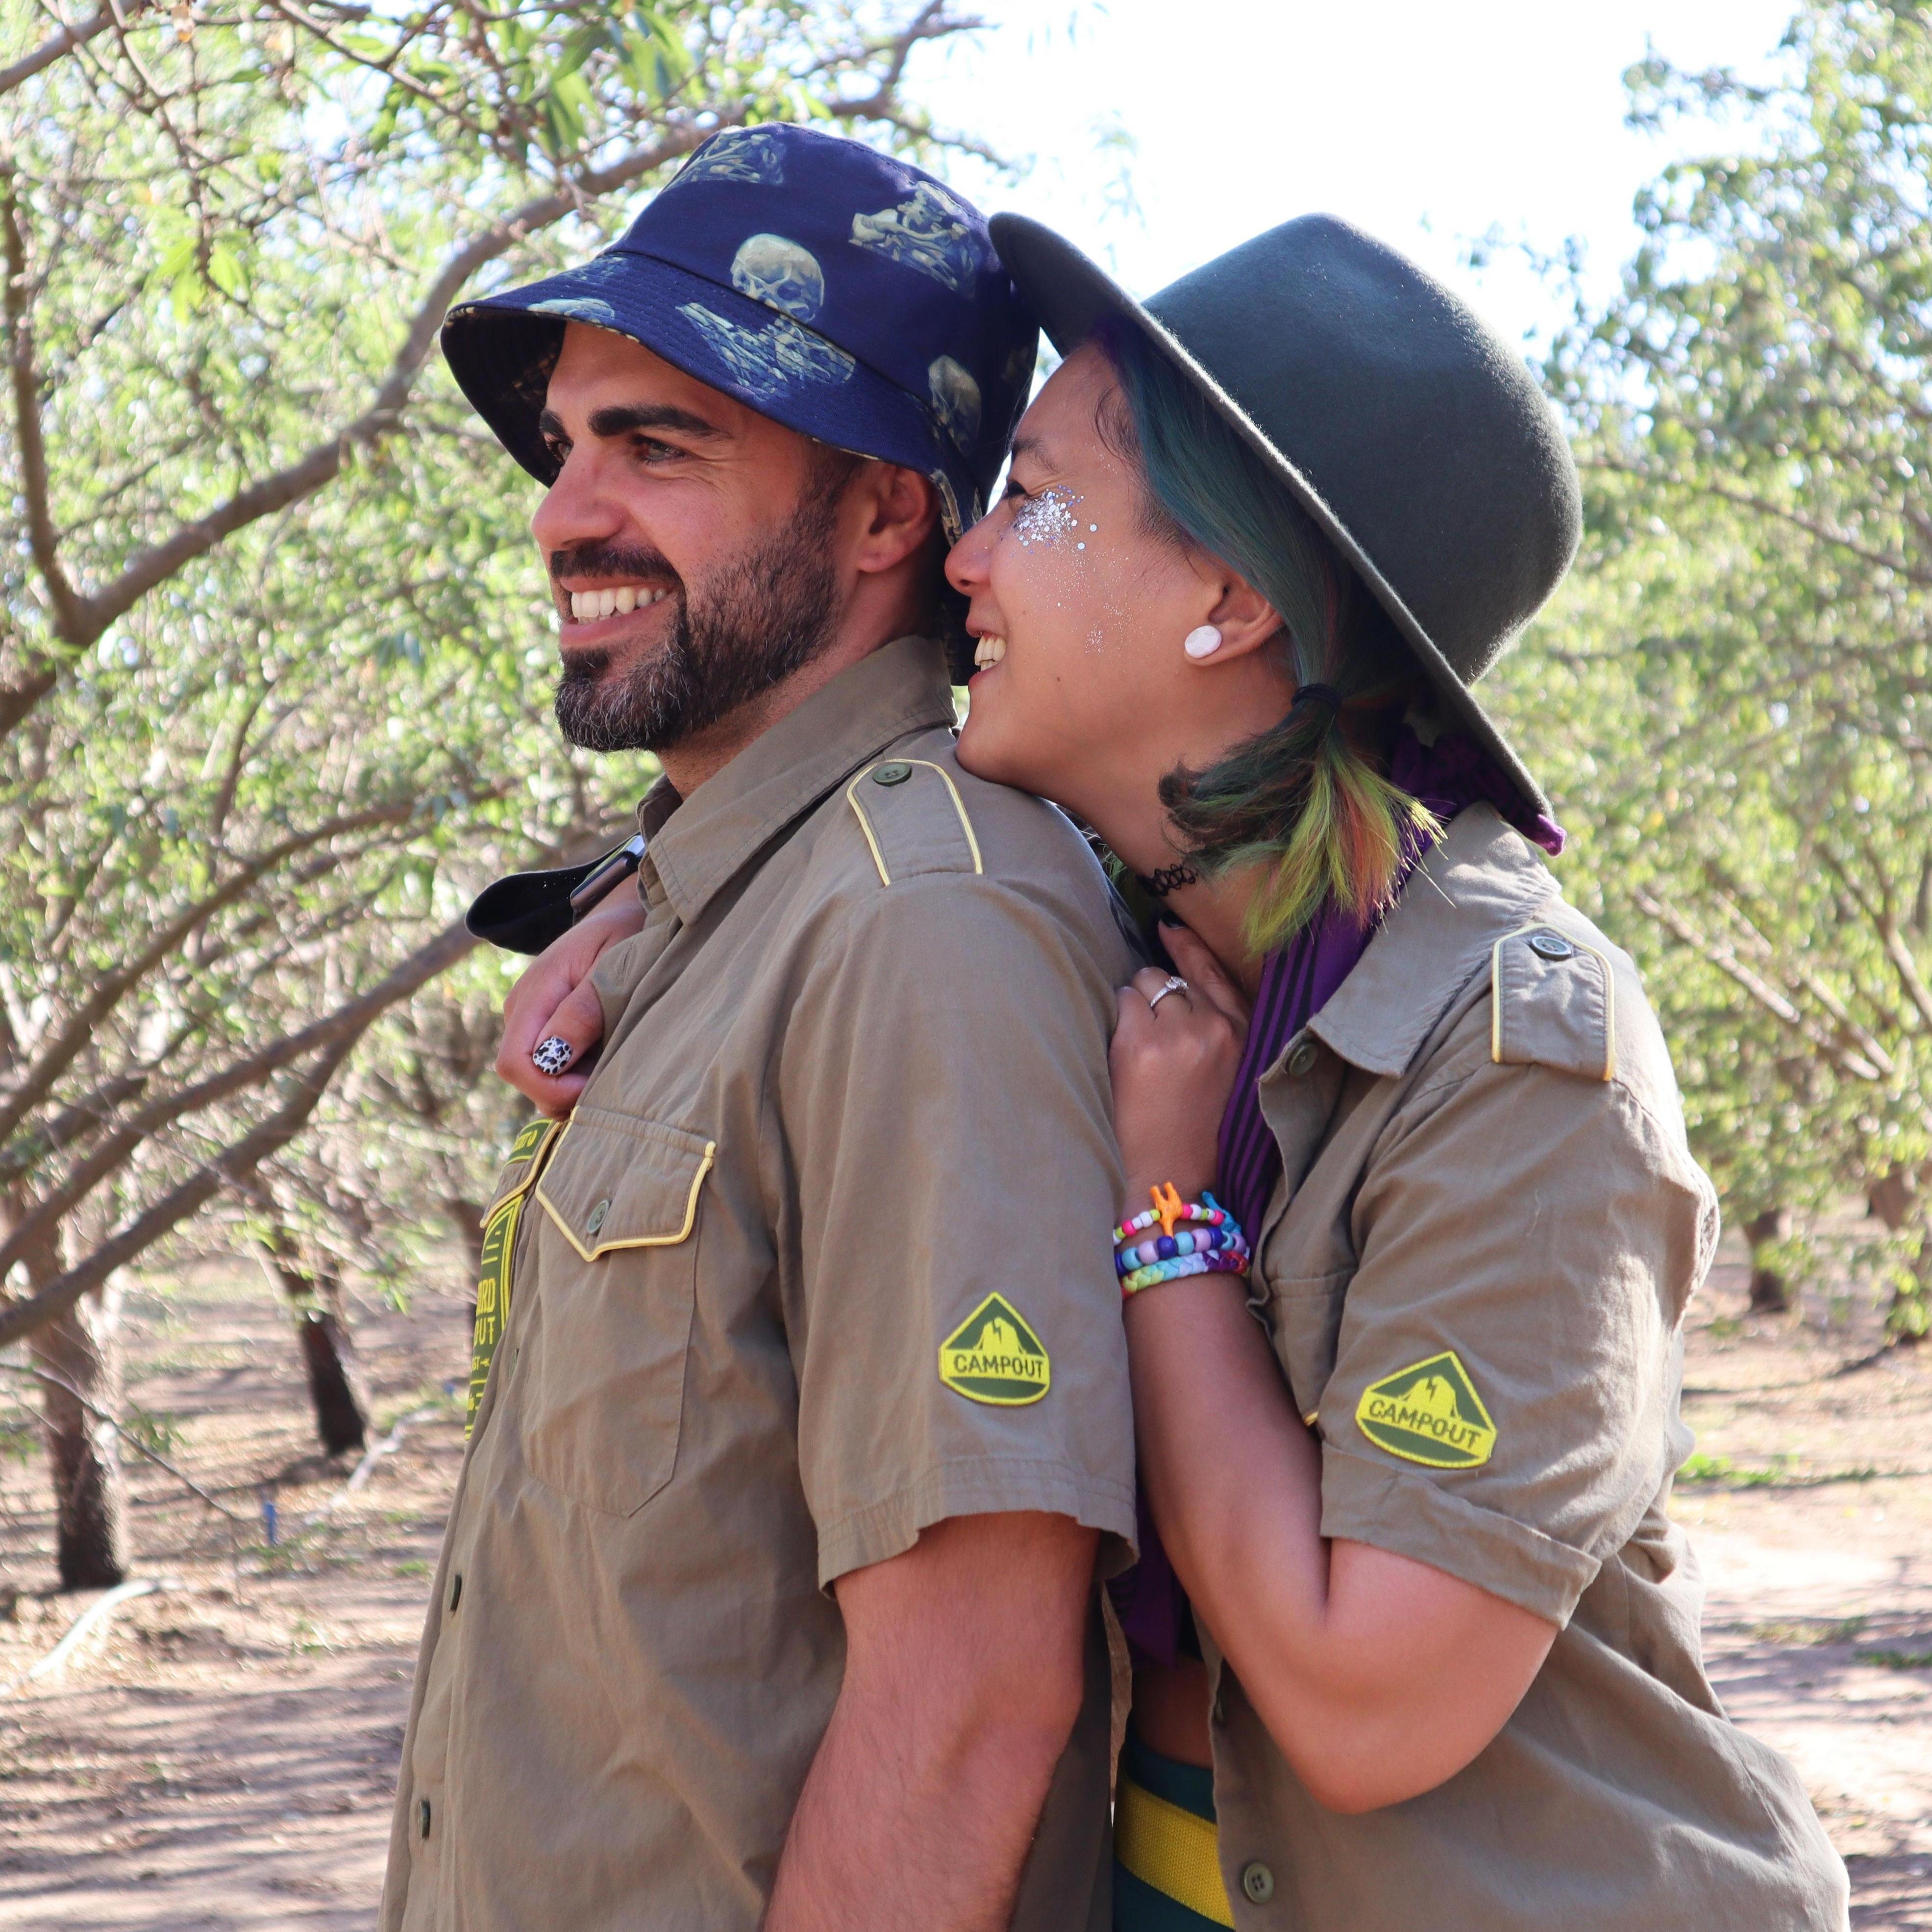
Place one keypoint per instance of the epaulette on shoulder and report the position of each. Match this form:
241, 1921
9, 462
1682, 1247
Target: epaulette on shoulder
1553, 1002
914, 819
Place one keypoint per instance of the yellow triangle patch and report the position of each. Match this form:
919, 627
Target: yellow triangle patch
993, 1356
1428, 1413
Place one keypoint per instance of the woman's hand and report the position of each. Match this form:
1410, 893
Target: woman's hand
554, 1000
1173, 1067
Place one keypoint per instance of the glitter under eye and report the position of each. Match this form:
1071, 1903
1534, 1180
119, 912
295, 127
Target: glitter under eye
1046, 518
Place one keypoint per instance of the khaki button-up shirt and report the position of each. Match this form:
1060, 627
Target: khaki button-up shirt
1474, 1271
820, 1260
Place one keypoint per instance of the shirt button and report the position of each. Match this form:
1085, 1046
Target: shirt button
1258, 1881
1550, 945
422, 1821
1301, 1059
596, 1220
455, 1591
892, 774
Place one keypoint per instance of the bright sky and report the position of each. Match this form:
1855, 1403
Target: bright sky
1426, 123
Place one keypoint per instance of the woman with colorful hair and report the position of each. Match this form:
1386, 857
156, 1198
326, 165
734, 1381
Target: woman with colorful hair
1415, 1641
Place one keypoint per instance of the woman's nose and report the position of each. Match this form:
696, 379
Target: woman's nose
966, 561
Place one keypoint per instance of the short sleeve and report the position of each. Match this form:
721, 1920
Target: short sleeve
1506, 1374
945, 1108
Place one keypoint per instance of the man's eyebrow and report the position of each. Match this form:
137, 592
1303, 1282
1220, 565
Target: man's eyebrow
1034, 448
623, 418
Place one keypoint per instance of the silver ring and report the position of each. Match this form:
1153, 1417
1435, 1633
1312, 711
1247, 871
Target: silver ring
1173, 983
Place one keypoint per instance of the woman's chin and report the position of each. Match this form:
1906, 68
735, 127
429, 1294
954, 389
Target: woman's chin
987, 752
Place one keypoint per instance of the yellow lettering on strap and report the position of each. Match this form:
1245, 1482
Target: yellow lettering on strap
1172, 1850
492, 1299
500, 1245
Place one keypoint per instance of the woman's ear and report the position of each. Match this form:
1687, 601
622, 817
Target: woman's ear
1245, 619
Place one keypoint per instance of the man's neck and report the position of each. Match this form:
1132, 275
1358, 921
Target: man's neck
706, 753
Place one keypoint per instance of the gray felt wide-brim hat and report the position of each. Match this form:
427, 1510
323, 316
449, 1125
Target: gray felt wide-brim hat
1412, 434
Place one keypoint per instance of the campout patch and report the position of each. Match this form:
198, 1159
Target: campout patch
1428, 1413
993, 1356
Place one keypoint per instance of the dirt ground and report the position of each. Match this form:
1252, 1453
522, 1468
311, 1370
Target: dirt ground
224, 1756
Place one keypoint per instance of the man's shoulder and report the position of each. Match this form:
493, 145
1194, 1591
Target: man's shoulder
913, 821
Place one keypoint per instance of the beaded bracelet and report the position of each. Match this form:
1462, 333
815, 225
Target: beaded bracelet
1226, 1262
1168, 1208
1215, 1245
1226, 1237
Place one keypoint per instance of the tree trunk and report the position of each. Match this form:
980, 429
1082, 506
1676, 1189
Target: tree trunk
82, 1347
336, 1389
467, 1220
1895, 1199
1770, 1292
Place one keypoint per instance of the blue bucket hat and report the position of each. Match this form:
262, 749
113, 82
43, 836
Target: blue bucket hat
844, 294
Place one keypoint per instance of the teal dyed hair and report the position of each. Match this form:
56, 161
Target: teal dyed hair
1307, 803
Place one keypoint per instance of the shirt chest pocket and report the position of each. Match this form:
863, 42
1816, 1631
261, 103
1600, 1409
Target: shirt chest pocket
1304, 1317
617, 1247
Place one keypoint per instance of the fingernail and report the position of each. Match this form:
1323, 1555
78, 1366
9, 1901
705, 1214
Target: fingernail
552, 1056
1167, 918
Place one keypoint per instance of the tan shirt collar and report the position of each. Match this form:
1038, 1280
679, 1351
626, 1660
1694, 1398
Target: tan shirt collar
697, 844
1481, 882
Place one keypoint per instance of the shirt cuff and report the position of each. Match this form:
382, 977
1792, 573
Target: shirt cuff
1412, 1515
979, 1485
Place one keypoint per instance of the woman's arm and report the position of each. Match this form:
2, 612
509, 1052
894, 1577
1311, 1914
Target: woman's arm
1378, 1676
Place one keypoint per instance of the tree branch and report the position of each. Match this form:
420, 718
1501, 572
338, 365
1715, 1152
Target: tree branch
1743, 498
1724, 957
54, 1058
349, 1020
234, 1164
64, 42
42, 539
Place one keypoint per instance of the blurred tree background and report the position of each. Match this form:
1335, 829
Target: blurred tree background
1732, 700
275, 651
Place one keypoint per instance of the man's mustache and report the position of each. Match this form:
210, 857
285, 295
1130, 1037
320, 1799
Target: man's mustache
614, 560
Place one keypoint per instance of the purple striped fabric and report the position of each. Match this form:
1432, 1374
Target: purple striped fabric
1297, 983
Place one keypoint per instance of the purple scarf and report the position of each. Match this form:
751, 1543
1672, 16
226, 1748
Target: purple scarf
1297, 983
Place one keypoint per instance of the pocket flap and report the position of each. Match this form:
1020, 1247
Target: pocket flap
616, 1181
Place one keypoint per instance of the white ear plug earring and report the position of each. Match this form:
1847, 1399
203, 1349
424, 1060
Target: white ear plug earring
1201, 643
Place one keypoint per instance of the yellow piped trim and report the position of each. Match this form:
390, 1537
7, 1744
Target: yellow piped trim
865, 825
536, 1158
1171, 1849
555, 1213
1496, 990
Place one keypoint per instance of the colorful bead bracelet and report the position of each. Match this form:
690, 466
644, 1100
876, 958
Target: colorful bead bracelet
1224, 1237
1215, 1245
1226, 1262
1168, 1208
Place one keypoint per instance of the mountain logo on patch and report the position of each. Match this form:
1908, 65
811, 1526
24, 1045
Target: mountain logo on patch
1429, 1413
994, 1357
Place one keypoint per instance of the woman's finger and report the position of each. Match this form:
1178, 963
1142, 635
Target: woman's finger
552, 1023
1151, 982
1205, 973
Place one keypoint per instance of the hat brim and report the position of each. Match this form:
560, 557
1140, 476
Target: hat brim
1070, 294
501, 350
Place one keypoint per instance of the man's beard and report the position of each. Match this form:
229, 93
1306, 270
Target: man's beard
767, 614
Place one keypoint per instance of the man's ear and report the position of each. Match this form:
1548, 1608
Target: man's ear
895, 510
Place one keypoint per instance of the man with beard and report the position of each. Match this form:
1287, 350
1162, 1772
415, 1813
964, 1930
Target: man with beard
800, 1421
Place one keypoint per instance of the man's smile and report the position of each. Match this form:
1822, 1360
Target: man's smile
591, 607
